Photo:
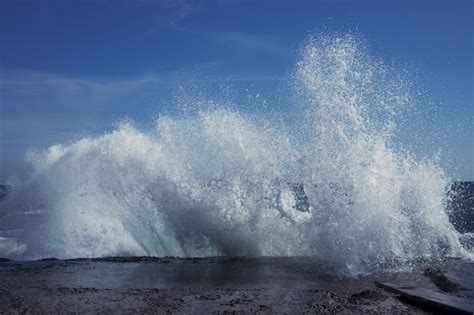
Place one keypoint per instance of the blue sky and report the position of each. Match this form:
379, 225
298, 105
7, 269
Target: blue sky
74, 68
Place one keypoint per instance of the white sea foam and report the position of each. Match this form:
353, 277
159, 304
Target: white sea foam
221, 183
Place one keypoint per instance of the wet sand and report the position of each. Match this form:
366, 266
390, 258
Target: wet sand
216, 285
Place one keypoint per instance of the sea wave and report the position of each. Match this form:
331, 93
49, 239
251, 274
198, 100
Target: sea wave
220, 182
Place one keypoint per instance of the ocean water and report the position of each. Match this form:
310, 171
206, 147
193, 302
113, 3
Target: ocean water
216, 181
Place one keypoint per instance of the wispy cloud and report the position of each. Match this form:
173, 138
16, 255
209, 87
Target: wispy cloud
166, 13
53, 92
241, 41
36, 105
39, 104
173, 13
249, 42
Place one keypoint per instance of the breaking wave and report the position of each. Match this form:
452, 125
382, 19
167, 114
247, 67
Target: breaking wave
219, 182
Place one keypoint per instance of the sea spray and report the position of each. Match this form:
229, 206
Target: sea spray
218, 182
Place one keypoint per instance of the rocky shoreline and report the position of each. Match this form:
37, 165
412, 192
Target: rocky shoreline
216, 285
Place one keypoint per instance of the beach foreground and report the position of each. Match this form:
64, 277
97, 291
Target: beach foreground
220, 285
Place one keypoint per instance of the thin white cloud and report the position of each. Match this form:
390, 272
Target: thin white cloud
167, 13
249, 42
26, 89
242, 41
54, 93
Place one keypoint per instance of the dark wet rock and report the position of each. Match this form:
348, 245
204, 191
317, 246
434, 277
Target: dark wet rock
2, 259
373, 295
429, 299
441, 281
68, 290
49, 259
222, 285
207, 296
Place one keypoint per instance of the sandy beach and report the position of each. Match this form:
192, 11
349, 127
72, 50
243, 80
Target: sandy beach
216, 285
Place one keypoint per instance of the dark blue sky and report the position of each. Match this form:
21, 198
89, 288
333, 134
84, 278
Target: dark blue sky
74, 68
